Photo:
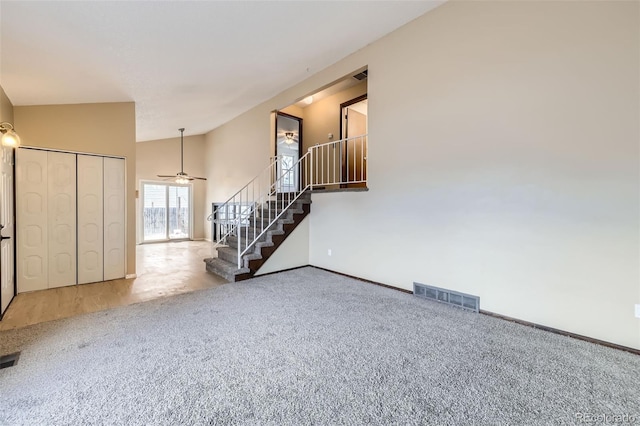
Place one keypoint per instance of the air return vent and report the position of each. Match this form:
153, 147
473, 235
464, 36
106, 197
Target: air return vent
454, 298
10, 360
361, 75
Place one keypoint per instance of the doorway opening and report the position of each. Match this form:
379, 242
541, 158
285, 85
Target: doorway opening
288, 146
166, 211
334, 162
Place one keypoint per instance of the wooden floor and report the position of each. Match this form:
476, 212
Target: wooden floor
163, 269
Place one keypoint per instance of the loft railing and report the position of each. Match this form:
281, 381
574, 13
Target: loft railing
256, 207
341, 162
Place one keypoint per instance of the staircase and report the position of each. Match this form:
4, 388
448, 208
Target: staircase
267, 241
261, 215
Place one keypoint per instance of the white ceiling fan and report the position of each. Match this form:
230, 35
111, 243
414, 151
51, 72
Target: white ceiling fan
181, 177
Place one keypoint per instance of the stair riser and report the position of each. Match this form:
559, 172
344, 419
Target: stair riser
287, 215
233, 241
228, 257
265, 223
277, 205
253, 232
306, 195
225, 275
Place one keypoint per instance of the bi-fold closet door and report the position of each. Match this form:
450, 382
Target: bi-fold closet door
70, 219
90, 219
101, 218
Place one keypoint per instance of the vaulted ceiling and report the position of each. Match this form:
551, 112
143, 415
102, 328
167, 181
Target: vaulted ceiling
193, 64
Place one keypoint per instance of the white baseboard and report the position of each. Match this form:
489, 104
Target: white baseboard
130, 276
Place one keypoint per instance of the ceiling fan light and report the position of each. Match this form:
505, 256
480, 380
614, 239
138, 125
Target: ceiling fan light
9, 137
288, 138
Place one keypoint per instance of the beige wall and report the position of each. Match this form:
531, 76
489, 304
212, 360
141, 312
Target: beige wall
6, 108
294, 110
235, 153
508, 169
162, 157
323, 117
108, 129
503, 162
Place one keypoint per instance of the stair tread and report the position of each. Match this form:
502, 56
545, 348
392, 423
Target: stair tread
225, 267
265, 215
299, 200
233, 252
273, 232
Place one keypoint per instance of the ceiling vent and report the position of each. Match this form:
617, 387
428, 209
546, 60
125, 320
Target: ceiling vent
361, 75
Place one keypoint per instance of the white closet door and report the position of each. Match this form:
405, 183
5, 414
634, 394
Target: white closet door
114, 224
90, 219
7, 215
62, 218
31, 220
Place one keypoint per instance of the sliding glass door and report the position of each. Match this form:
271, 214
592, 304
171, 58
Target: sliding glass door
166, 211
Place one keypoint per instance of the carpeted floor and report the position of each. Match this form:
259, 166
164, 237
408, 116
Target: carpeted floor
306, 347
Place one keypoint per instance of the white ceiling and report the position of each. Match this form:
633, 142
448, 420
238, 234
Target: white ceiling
193, 64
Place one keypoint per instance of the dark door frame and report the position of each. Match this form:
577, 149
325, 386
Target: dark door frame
344, 157
299, 120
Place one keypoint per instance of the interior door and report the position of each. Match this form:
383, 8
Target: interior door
61, 218
7, 243
31, 222
114, 219
90, 219
288, 146
354, 130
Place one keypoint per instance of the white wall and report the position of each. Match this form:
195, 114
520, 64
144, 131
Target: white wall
293, 252
503, 162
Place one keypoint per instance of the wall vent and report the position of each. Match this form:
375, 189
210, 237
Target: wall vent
450, 297
361, 75
10, 360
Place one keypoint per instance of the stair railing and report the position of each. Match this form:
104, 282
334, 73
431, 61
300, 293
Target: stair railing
235, 211
257, 206
288, 186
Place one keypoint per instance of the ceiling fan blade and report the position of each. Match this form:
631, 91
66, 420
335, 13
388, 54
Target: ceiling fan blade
166, 176
200, 178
